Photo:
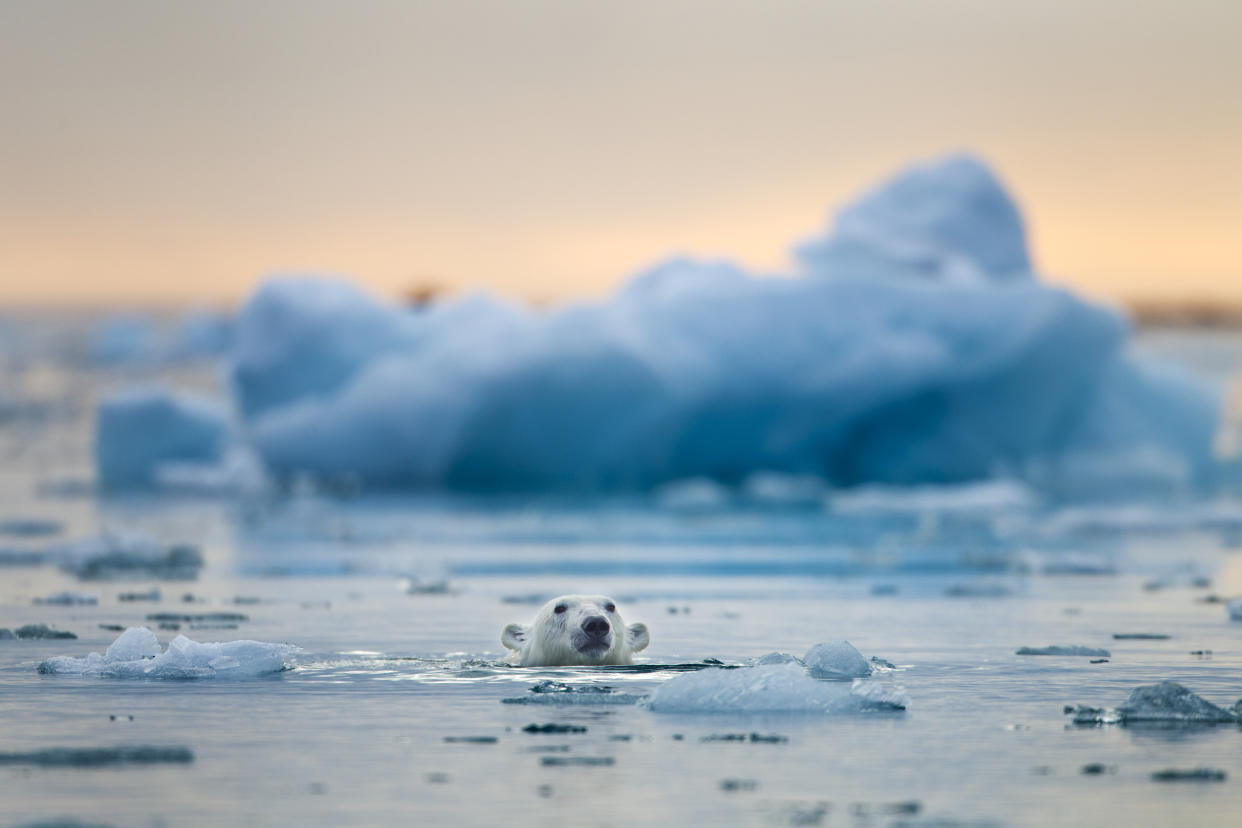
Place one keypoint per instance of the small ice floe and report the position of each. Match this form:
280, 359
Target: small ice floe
1165, 703
1073, 563
1140, 636
1064, 650
30, 527
1191, 775
777, 489
777, 688
981, 589
1235, 609
152, 594
39, 631
137, 654
415, 585
68, 598
560, 693
99, 757
693, 494
114, 556
198, 617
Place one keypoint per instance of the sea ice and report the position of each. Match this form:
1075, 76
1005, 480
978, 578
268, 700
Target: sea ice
916, 348
1166, 703
112, 556
778, 688
137, 654
41, 631
137, 431
1061, 650
836, 660
30, 527
68, 599
99, 757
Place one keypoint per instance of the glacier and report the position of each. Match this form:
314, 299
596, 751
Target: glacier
913, 345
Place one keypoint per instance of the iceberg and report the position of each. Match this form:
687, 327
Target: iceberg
776, 688
915, 347
137, 654
137, 431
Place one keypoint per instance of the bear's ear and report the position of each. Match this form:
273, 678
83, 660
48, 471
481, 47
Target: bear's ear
638, 637
513, 636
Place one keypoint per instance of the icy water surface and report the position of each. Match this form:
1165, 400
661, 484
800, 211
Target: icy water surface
397, 708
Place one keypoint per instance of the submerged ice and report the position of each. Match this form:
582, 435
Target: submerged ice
914, 346
136, 653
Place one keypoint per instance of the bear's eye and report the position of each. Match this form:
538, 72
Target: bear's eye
560, 608
610, 608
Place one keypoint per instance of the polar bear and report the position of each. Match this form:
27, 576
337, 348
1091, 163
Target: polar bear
575, 629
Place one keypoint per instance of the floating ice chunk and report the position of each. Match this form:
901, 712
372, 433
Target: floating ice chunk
112, 556
1060, 650
836, 660
948, 220
776, 489
1165, 703
693, 495
1191, 775
1235, 609
133, 644
68, 599
779, 688
99, 757
6, 634
201, 333
136, 654
42, 631
30, 527
238, 472
139, 430
119, 339
775, 658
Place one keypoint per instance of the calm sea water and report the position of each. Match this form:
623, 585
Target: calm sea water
355, 732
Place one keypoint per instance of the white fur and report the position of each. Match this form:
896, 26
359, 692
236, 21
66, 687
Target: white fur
557, 639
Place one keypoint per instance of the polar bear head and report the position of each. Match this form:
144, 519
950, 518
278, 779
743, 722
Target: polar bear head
575, 629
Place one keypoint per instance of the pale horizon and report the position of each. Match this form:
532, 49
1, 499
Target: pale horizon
547, 151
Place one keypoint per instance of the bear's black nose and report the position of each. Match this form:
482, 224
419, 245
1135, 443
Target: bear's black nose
596, 626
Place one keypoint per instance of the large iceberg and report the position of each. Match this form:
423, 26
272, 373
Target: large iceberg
138, 431
914, 347
137, 654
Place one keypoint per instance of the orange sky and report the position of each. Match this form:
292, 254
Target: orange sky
161, 152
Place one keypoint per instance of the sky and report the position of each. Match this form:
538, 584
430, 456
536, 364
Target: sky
158, 152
